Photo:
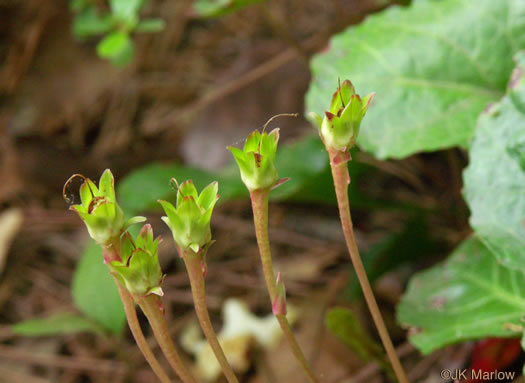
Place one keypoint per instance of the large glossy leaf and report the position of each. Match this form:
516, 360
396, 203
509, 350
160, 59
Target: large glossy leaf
469, 296
434, 65
94, 291
495, 178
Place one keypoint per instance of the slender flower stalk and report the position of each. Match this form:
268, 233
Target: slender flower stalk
134, 326
189, 222
339, 130
152, 307
257, 167
112, 253
138, 270
260, 219
341, 180
195, 270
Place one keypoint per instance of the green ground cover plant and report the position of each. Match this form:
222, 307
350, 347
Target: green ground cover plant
116, 25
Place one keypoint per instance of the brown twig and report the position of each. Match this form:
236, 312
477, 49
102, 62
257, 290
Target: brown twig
18, 354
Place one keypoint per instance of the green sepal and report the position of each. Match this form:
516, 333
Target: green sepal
256, 160
189, 221
133, 221
342, 94
139, 269
86, 195
127, 247
106, 185
186, 189
189, 210
99, 210
194, 247
156, 290
340, 126
241, 159
252, 142
209, 196
145, 240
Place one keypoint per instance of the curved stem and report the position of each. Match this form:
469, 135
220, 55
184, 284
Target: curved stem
341, 181
151, 306
134, 326
260, 218
195, 272
112, 253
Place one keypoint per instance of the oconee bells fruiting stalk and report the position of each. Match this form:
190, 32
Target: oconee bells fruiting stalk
100, 211
139, 270
340, 125
339, 130
189, 221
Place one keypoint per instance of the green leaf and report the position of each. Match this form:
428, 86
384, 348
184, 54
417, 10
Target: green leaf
88, 22
150, 26
434, 66
63, 323
495, 178
219, 8
469, 296
126, 9
94, 291
116, 47
343, 324
208, 196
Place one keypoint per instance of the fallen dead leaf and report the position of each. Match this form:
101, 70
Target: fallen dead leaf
10, 223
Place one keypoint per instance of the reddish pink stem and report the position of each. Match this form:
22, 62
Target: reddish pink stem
339, 165
260, 219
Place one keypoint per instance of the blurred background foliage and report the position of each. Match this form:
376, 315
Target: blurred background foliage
156, 90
